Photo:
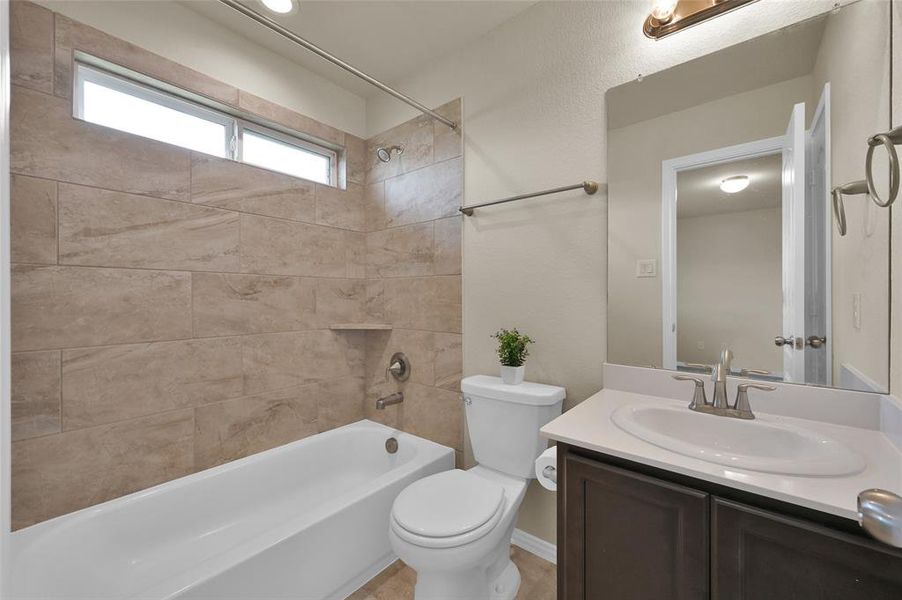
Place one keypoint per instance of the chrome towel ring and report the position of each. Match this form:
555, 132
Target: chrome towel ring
853, 188
888, 140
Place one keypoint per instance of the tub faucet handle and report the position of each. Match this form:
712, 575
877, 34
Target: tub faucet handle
399, 366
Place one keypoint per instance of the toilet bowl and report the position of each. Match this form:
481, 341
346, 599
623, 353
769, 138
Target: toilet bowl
454, 528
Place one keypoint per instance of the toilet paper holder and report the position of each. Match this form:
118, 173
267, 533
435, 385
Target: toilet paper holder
550, 473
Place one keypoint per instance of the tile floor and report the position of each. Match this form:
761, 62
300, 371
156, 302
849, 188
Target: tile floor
538, 580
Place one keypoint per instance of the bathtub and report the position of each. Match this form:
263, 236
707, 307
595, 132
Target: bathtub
308, 520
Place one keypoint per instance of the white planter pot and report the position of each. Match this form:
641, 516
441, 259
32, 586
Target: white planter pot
512, 375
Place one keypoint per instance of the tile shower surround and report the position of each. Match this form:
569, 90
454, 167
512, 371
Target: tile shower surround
171, 309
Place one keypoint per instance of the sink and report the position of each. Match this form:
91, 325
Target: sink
755, 445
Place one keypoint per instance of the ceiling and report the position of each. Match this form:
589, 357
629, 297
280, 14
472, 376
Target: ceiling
387, 39
699, 190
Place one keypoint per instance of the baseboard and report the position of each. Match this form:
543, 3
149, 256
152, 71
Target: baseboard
364, 577
535, 545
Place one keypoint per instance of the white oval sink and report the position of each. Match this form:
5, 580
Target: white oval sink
753, 445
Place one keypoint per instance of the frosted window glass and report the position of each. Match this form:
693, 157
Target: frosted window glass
112, 108
286, 158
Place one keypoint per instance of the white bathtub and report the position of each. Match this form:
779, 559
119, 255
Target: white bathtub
308, 520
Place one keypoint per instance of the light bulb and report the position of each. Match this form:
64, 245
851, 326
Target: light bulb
662, 10
279, 6
734, 184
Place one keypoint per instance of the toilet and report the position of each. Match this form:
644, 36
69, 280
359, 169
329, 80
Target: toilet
454, 528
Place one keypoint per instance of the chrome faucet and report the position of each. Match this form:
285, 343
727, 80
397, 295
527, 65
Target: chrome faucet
740, 409
396, 398
719, 377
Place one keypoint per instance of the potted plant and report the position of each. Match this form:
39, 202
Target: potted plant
512, 351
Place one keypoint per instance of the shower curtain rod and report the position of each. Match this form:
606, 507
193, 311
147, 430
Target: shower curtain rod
273, 26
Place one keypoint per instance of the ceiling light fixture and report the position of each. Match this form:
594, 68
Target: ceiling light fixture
279, 6
670, 16
734, 184
662, 10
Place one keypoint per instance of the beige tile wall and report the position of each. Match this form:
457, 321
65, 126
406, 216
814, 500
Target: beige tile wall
170, 309
414, 276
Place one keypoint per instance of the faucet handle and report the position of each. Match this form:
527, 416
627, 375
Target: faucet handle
747, 372
698, 397
742, 406
744, 387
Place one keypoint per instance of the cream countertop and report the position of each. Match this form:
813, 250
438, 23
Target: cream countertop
589, 425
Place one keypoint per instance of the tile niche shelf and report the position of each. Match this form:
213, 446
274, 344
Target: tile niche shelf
360, 326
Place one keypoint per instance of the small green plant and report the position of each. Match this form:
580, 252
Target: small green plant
512, 347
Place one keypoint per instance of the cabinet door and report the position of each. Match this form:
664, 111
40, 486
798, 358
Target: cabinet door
632, 537
757, 555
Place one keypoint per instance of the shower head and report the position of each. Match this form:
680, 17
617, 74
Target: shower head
384, 152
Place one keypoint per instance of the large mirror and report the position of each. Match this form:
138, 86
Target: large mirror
721, 229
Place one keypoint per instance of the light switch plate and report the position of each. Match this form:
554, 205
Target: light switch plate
647, 267
856, 311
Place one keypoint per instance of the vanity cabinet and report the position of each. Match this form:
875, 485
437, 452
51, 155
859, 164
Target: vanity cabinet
631, 532
760, 554
632, 537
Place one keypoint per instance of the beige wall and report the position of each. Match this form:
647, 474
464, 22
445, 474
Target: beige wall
857, 67
634, 211
171, 311
413, 273
174, 31
535, 118
730, 288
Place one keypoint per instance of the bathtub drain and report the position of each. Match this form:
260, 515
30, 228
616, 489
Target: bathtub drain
391, 445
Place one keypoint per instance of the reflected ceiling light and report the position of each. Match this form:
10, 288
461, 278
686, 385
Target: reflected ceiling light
279, 6
670, 16
734, 184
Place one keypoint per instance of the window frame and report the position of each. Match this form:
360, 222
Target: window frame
97, 71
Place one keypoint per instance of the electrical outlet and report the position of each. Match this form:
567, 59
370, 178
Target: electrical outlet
647, 267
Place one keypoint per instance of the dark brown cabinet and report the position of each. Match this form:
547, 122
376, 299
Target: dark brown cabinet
627, 526
630, 532
759, 554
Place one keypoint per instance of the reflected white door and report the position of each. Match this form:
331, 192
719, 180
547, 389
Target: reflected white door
818, 260
793, 183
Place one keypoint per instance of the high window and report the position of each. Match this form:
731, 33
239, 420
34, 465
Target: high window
153, 111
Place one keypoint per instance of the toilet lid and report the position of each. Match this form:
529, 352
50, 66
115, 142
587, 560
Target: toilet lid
447, 504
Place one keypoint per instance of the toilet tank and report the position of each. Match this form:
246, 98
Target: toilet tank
504, 421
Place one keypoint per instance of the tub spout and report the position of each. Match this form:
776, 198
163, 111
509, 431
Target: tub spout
396, 398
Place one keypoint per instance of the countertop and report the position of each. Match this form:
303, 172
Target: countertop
589, 425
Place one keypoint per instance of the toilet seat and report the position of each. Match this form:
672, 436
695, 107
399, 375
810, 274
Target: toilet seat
448, 509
